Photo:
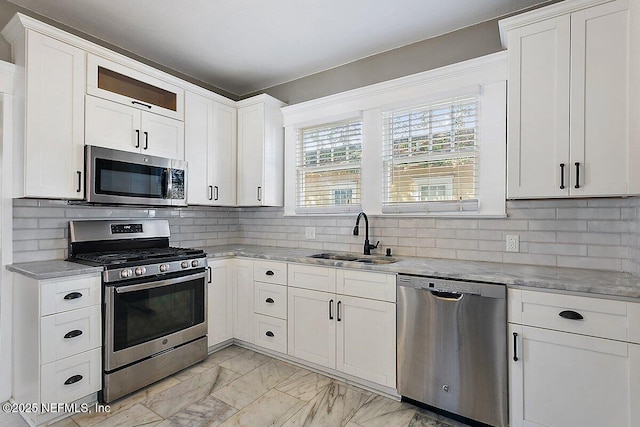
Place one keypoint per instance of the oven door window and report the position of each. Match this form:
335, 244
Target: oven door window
129, 179
147, 314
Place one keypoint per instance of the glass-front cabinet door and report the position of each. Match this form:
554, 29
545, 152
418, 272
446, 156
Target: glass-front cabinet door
116, 82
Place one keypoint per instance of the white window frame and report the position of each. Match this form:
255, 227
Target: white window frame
486, 74
433, 207
328, 209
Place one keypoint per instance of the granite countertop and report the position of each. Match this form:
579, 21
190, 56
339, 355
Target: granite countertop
41, 270
606, 283
599, 282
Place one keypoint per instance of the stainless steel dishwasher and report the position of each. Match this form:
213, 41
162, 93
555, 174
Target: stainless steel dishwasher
452, 346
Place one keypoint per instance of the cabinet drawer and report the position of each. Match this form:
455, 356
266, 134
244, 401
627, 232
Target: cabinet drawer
69, 333
270, 272
81, 373
270, 299
600, 317
366, 284
59, 296
312, 277
271, 333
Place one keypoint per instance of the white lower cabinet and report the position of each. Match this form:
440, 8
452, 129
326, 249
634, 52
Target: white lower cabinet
243, 300
57, 342
312, 329
366, 339
220, 301
560, 378
351, 334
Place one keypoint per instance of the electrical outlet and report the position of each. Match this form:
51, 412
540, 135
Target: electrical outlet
310, 233
513, 243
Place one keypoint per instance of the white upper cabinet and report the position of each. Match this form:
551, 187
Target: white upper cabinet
132, 111
49, 115
260, 152
116, 82
210, 150
118, 126
568, 101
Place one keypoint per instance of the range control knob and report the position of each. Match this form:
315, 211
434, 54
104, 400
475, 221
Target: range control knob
126, 273
184, 264
164, 267
194, 263
140, 271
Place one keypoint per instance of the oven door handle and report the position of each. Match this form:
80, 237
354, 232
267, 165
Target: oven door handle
157, 284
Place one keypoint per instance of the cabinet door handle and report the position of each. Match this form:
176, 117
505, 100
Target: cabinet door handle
269, 334
73, 295
73, 334
259, 194
562, 187
73, 379
137, 138
146, 140
571, 315
141, 103
515, 346
331, 309
577, 175
338, 311
210, 277
210, 192
269, 300
215, 192
79, 189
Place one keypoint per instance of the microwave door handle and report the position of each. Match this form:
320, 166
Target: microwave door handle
166, 180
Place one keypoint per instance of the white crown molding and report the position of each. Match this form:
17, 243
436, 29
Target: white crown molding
543, 13
262, 98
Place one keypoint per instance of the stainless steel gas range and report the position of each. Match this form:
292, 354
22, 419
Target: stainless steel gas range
154, 300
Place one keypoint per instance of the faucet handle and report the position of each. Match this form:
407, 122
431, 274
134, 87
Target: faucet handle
374, 246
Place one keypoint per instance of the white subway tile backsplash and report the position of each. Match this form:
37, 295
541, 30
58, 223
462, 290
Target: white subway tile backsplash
585, 233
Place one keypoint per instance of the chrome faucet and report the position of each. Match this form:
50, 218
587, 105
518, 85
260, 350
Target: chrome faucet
367, 246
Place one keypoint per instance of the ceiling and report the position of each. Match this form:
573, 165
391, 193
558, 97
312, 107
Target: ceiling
243, 46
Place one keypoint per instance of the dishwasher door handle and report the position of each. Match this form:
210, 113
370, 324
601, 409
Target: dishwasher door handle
447, 296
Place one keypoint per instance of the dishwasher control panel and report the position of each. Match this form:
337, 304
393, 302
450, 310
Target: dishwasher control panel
452, 286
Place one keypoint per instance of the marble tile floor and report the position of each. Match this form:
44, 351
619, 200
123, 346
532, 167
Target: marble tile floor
239, 387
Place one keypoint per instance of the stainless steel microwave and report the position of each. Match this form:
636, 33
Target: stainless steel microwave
121, 177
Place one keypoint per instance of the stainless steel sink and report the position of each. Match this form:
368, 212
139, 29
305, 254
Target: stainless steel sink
377, 260
357, 258
335, 256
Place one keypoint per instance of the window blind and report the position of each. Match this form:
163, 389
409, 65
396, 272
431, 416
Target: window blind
430, 157
328, 167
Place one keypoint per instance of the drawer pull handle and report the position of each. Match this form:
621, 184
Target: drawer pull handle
141, 104
269, 273
570, 314
72, 380
73, 295
269, 334
515, 346
269, 300
73, 334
